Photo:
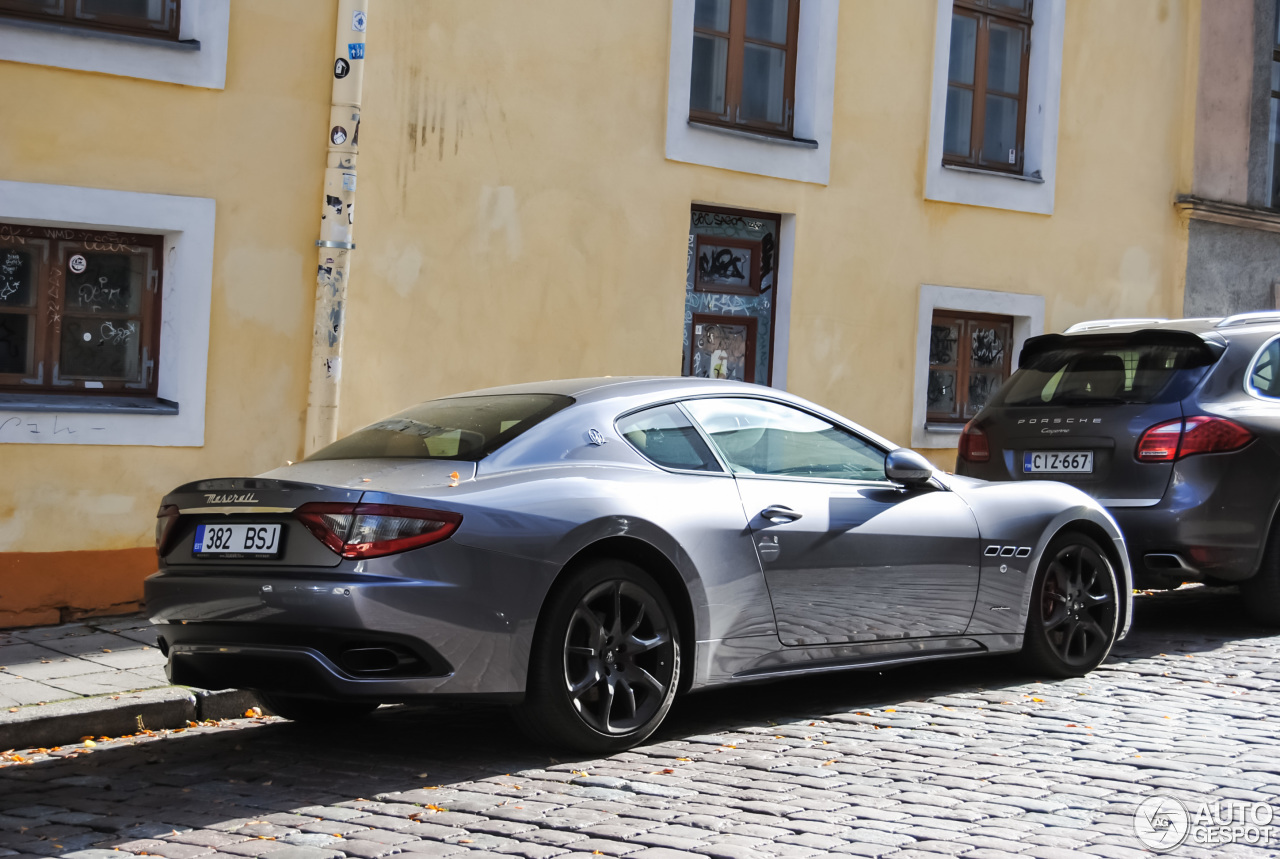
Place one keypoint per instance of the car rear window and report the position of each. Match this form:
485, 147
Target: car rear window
464, 428
1096, 374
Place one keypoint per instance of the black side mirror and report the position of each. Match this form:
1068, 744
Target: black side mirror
907, 467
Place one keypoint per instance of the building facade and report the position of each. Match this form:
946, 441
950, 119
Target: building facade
869, 204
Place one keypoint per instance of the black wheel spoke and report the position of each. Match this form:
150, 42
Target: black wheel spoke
1051, 624
637, 645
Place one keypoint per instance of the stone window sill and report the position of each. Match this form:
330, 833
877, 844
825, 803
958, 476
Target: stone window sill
1034, 177
87, 405
751, 135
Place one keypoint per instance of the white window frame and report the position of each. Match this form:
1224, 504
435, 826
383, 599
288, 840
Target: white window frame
187, 224
1028, 321
1033, 190
200, 59
807, 158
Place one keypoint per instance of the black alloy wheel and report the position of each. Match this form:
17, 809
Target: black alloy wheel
1073, 618
606, 661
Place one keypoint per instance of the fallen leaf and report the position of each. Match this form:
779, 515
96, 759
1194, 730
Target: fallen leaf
466, 841
1038, 700
684, 759
668, 771
830, 762
90, 743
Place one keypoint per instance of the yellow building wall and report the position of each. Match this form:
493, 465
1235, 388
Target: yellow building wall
518, 219
77, 522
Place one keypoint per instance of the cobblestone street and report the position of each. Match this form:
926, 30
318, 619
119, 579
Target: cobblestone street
965, 758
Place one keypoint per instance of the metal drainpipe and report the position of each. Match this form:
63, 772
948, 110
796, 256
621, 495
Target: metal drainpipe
336, 225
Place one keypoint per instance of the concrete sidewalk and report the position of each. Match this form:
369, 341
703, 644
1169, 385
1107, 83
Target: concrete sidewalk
100, 677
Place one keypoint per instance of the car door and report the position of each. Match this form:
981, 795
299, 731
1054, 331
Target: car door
848, 555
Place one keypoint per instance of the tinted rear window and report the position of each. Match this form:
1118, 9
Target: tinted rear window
1092, 375
464, 428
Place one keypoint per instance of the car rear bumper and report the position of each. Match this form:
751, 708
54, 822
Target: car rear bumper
350, 637
1211, 523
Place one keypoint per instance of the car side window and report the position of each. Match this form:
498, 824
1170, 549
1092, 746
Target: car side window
664, 436
761, 437
1264, 378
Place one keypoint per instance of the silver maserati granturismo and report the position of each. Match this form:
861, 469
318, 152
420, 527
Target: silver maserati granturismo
585, 550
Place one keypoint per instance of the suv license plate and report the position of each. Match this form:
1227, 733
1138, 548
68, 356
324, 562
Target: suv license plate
1057, 462
237, 541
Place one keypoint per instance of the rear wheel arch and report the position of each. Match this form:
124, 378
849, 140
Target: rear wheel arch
652, 560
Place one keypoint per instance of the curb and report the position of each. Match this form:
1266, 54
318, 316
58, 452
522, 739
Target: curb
65, 722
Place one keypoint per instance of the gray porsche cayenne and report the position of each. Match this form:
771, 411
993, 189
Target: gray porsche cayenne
584, 550
1174, 426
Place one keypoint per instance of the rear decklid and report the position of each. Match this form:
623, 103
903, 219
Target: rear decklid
1078, 404
252, 502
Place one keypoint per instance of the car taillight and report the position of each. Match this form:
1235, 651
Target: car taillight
166, 518
372, 530
973, 444
1173, 440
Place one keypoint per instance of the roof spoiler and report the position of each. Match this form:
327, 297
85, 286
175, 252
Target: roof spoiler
1210, 349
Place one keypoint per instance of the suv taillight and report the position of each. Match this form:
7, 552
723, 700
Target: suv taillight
973, 444
166, 518
372, 530
1173, 440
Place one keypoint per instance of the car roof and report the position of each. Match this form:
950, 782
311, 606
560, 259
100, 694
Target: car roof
599, 387
1263, 322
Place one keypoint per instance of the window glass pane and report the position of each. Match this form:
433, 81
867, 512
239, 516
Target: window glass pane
452, 428
964, 49
48, 7
665, 436
1275, 76
943, 338
16, 341
1014, 5
982, 386
712, 15
1004, 60
1278, 22
1264, 378
959, 122
758, 437
109, 283
710, 55
767, 20
941, 395
17, 268
1000, 131
100, 348
987, 345
763, 73
146, 11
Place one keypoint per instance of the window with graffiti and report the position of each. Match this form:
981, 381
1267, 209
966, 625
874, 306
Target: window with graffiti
730, 295
969, 359
79, 311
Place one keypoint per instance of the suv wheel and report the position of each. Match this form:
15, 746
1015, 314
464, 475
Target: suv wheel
1073, 618
605, 663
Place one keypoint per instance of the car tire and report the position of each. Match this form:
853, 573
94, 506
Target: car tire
1074, 614
1261, 591
605, 663
314, 711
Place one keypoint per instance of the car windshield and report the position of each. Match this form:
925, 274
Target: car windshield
1090, 375
464, 428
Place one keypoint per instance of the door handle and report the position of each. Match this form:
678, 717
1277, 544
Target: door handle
780, 515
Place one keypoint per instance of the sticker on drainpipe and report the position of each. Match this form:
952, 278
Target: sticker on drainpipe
357, 21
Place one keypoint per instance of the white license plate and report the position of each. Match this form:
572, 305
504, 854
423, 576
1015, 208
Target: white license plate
1057, 462
240, 540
